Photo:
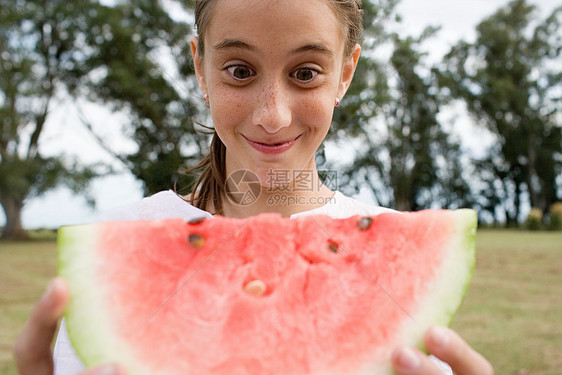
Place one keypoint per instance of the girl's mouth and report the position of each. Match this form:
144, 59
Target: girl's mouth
272, 148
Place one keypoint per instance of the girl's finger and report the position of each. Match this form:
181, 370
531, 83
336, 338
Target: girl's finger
449, 347
410, 361
32, 349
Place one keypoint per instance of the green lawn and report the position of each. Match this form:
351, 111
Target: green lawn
513, 309
512, 312
25, 269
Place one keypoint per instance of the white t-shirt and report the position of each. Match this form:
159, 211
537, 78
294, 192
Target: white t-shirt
168, 204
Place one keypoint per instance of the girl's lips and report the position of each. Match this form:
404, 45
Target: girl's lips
269, 148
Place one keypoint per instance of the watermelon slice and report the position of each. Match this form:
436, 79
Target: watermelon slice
263, 295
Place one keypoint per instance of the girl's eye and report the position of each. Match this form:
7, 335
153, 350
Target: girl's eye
305, 74
240, 71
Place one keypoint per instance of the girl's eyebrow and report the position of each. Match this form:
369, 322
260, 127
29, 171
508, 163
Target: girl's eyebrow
233, 43
311, 47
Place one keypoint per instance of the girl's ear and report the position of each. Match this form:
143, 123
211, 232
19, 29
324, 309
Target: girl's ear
198, 64
348, 70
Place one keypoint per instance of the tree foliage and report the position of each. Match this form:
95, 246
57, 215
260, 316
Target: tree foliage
34, 55
404, 156
127, 43
110, 54
510, 79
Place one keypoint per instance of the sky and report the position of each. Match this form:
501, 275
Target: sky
457, 18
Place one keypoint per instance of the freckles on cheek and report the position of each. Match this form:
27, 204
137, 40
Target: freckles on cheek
227, 109
317, 112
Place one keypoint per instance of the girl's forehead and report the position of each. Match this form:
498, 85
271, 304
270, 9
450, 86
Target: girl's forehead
274, 23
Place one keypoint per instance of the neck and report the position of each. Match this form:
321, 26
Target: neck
304, 193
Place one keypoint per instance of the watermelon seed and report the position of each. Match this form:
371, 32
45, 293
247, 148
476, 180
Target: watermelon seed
196, 240
364, 223
333, 245
197, 220
255, 287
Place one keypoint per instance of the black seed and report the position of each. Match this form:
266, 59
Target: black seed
333, 246
196, 240
197, 220
364, 223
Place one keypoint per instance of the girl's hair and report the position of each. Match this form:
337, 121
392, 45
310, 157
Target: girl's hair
209, 188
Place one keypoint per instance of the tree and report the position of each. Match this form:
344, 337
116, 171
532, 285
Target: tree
125, 43
404, 157
92, 51
31, 64
510, 79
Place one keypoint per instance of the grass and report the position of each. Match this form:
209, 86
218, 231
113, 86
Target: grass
512, 311
25, 268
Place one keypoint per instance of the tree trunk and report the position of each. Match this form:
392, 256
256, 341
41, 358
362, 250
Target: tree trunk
533, 180
13, 229
402, 202
517, 200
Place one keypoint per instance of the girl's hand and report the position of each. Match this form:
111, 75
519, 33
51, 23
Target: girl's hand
32, 350
446, 345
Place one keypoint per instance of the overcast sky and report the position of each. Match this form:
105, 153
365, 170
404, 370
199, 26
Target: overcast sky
457, 19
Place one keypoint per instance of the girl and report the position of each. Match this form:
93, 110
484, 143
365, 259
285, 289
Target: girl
272, 72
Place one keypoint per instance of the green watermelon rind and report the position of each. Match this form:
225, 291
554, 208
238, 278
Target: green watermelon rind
88, 339
457, 281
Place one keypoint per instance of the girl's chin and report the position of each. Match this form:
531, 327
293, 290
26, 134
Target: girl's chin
278, 174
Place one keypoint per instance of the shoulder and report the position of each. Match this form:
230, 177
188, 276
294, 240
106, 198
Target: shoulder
341, 206
348, 206
162, 205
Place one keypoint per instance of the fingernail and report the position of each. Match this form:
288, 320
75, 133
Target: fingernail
48, 290
439, 336
408, 359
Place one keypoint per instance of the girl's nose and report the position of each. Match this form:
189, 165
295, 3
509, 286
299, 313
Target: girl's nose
273, 111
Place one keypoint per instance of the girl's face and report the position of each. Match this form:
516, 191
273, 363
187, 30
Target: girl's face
273, 70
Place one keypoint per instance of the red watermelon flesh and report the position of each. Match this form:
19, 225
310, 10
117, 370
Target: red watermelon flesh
263, 295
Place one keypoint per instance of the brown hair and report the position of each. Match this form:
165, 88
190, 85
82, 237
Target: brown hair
211, 184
